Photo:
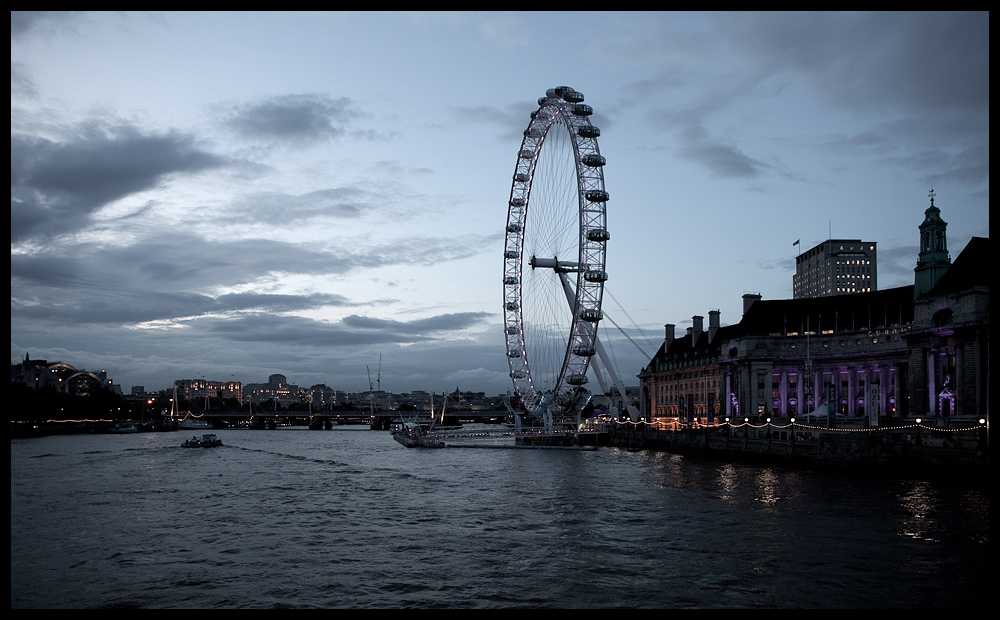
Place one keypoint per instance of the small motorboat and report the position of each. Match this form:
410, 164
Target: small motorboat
206, 441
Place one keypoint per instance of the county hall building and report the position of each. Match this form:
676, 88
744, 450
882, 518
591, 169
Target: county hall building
912, 351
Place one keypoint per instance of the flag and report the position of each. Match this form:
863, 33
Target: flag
796, 242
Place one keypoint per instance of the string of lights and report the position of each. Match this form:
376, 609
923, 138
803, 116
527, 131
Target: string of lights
918, 423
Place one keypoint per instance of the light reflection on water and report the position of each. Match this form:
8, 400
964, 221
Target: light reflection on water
348, 518
917, 502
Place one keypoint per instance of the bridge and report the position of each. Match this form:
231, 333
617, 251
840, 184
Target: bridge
378, 420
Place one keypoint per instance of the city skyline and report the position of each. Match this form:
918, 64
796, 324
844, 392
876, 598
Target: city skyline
318, 194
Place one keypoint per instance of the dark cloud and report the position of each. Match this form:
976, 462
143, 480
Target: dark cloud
923, 78
25, 22
443, 322
698, 145
724, 161
56, 186
927, 62
295, 331
21, 83
95, 302
351, 331
295, 118
920, 79
338, 203
165, 277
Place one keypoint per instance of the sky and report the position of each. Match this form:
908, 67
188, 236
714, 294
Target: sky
323, 195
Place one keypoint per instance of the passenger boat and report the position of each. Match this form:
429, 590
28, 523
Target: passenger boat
413, 435
124, 427
206, 441
191, 423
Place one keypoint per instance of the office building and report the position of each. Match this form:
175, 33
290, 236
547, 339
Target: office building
836, 267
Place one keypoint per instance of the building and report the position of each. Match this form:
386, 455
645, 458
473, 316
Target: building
912, 351
836, 267
948, 345
202, 390
277, 389
682, 382
933, 260
59, 376
846, 353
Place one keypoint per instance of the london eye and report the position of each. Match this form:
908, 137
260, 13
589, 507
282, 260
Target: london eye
554, 257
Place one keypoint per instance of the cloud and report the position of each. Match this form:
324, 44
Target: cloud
23, 23
724, 161
353, 330
696, 144
924, 62
57, 185
511, 119
22, 86
439, 323
152, 280
378, 196
913, 85
932, 151
921, 78
297, 118
72, 295
339, 203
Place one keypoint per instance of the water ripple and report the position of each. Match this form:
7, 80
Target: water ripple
348, 519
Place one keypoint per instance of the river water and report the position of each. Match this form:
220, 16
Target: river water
347, 518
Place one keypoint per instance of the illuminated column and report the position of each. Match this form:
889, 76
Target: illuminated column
800, 404
931, 384
862, 378
835, 381
865, 376
894, 380
783, 391
958, 398
729, 401
873, 387
883, 388
852, 388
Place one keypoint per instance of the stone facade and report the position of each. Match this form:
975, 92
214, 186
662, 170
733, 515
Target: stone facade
898, 353
948, 347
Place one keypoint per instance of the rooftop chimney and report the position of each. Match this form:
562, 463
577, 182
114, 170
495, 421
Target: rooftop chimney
668, 336
697, 326
713, 324
748, 299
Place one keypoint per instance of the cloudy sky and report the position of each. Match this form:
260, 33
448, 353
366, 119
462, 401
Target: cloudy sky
231, 195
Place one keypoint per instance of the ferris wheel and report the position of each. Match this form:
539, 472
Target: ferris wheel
554, 256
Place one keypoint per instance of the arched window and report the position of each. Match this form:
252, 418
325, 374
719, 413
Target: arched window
943, 318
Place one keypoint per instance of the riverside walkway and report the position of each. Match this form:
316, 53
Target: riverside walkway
909, 447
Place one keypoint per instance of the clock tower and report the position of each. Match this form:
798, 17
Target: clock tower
933, 259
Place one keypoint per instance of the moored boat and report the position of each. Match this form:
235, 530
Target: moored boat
412, 435
124, 427
190, 423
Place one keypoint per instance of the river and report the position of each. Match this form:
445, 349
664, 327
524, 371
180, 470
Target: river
348, 518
